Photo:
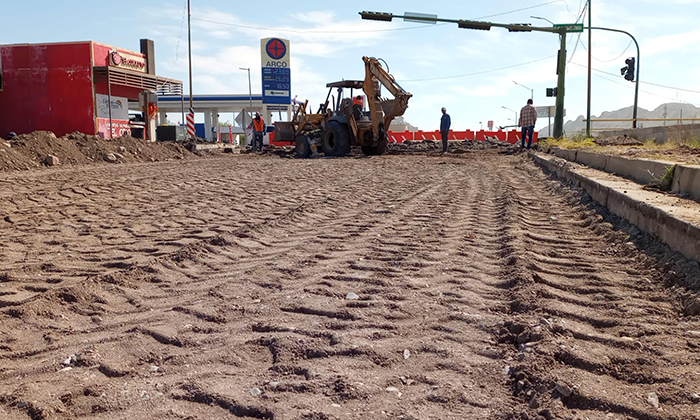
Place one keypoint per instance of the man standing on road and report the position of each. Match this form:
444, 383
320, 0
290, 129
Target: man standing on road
528, 118
445, 123
259, 131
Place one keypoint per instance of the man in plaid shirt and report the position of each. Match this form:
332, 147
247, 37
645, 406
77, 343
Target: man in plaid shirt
528, 118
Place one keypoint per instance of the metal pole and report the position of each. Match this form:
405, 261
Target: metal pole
109, 98
588, 110
559, 116
636, 87
189, 47
182, 108
250, 92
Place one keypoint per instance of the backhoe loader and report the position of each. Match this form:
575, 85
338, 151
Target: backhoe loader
338, 125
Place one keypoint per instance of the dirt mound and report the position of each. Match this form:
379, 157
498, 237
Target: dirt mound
432, 146
623, 140
31, 150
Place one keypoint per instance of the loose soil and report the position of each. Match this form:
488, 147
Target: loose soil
28, 151
219, 288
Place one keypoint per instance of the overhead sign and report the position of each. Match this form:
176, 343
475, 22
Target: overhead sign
276, 72
547, 111
420, 18
570, 27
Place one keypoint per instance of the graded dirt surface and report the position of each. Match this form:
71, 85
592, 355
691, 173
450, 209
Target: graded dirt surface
223, 288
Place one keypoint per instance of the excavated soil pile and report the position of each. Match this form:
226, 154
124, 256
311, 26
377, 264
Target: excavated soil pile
623, 140
31, 150
680, 153
431, 147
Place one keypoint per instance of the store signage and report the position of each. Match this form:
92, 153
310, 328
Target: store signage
120, 107
127, 61
276, 73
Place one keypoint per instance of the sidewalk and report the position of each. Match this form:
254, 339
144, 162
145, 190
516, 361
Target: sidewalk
674, 220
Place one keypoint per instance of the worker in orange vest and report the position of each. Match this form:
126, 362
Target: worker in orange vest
357, 105
259, 131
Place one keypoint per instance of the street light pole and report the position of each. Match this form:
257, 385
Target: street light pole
532, 92
515, 121
250, 98
588, 105
559, 119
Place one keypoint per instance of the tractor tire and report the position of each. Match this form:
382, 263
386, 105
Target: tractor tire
302, 147
336, 139
377, 150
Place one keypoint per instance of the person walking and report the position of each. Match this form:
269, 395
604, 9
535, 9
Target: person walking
259, 131
445, 124
528, 118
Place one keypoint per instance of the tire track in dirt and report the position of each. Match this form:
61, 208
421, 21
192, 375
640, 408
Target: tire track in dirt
603, 323
240, 290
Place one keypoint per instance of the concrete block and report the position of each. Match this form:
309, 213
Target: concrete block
639, 170
591, 159
686, 180
568, 154
52, 160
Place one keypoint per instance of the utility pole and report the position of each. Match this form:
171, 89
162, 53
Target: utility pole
559, 115
190, 119
588, 107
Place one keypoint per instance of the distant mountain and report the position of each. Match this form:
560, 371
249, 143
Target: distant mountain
669, 110
400, 124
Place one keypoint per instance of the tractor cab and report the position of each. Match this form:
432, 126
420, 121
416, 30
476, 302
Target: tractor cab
341, 101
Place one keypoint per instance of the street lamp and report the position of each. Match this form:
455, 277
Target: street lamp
250, 97
532, 92
515, 121
541, 18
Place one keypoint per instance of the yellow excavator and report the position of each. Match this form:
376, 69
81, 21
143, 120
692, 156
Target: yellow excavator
339, 124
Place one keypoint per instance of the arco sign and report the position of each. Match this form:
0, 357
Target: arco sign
276, 73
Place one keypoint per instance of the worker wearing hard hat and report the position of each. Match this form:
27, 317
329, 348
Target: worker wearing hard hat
357, 105
259, 131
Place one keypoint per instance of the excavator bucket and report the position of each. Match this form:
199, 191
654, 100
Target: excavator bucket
284, 131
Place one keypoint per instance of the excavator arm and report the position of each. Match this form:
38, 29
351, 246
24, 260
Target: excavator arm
383, 111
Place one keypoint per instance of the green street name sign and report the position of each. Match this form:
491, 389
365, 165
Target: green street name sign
570, 27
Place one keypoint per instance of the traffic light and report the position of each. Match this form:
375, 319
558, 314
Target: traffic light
376, 16
551, 92
520, 27
628, 71
474, 24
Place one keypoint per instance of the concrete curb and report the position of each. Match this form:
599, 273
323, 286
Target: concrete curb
686, 178
680, 235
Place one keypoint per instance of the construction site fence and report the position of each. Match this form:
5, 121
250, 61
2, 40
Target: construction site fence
512, 136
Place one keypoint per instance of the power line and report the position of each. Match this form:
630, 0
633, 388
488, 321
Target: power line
179, 37
298, 31
646, 83
479, 72
520, 10
608, 61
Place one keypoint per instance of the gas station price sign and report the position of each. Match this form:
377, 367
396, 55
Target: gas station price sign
276, 73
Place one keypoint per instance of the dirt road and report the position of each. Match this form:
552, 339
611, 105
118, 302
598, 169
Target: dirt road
395, 287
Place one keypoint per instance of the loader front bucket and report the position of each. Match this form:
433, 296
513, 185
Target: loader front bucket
284, 131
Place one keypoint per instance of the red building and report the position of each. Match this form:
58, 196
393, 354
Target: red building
75, 86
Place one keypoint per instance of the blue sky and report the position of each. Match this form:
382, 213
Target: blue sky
469, 72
